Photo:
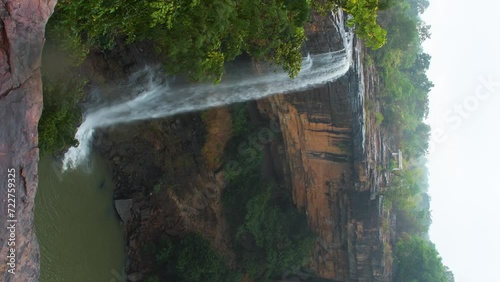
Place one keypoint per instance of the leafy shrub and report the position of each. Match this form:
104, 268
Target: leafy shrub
269, 234
364, 17
61, 112
272, 239
240, 119
299, 10
192, 259
379, 118
418, 260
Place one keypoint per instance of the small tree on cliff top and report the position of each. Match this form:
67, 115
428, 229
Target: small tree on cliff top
364, 18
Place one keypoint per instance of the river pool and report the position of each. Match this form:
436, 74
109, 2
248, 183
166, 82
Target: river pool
77, 227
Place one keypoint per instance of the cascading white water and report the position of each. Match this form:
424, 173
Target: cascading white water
157, 98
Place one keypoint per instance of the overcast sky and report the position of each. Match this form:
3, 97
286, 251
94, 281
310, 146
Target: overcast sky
464, 161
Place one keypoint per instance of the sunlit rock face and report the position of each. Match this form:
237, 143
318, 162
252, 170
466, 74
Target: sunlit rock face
22, 29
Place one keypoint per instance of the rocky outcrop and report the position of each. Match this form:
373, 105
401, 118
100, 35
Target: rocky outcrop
329, 154
22, 29
317, 145
332, 183
123, 208
159, 165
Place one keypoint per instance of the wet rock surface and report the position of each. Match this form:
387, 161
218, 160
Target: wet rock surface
22, 30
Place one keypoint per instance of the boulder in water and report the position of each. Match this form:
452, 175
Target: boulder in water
123, 207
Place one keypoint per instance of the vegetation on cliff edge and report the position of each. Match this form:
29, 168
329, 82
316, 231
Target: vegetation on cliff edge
364, 15
267, 234
403, 95
193, 37
418, 260
190, 259
61, 113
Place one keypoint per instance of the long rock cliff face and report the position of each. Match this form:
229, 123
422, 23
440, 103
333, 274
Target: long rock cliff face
22, 29
328, 154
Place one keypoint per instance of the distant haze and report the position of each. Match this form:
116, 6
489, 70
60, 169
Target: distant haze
464, 114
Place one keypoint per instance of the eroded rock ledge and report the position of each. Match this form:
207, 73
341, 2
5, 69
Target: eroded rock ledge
22, 29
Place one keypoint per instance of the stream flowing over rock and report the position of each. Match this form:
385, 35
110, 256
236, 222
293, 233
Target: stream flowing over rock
22, 29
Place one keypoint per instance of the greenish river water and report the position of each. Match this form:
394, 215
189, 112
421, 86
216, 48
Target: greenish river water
77, 227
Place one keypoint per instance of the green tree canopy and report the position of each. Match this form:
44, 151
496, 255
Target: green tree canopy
275, 239
363, 17
194, 37
419, 261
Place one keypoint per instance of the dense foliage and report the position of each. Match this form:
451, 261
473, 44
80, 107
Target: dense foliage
418, 260
194, 37
363, 17
269, 234
192, 259
61, 112
272, 239
404, 84
403, 95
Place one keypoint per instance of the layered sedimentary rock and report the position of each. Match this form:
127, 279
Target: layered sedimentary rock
22, 29
328, 156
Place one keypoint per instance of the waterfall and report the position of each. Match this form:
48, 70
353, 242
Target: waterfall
160, 97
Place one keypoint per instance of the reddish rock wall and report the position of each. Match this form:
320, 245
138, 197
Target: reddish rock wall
22, 29
317, 140
329, 157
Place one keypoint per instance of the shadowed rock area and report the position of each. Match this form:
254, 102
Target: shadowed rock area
22, 29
